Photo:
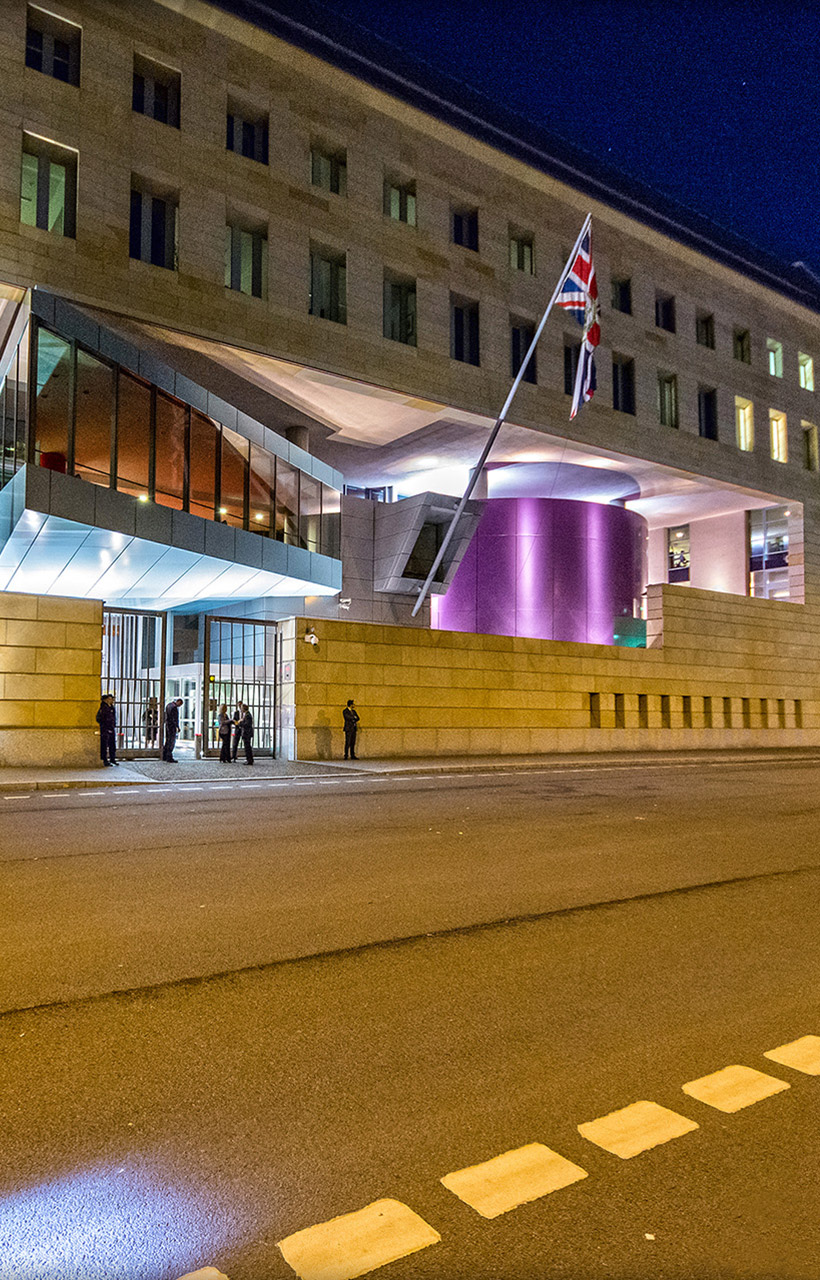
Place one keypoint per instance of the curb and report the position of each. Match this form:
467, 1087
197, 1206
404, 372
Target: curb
533, 765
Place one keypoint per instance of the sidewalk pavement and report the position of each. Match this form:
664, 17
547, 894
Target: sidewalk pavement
145, 772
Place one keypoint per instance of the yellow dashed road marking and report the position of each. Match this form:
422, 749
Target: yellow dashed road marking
636, 1128
357, 1242
734, 1088
802, 1055
511, 1179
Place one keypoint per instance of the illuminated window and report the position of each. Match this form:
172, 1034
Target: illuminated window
400, 201
805, 365
246, 260
742, 346
328, 170
769, 553
464, 227
52, 46
775, 351
48, 187
811, 456
668, 399
622, 295
677, 548
705, 330
665, 312
522, 253
744, 424
156, 91
778, 436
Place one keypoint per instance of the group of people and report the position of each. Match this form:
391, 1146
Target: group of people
233, 730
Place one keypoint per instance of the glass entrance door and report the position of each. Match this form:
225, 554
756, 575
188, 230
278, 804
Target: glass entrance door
240, 666
133, 669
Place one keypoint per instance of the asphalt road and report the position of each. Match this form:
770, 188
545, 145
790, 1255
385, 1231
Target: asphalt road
235, 1014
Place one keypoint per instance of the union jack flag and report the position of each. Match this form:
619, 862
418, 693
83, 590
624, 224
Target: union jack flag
579, 297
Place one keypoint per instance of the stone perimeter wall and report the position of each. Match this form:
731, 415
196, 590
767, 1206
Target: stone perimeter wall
445, 693
50, 654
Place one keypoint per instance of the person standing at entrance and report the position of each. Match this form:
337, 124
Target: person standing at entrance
225, 730
107, 720
351, 718
171, 729
236, 723
246, 731
151, 719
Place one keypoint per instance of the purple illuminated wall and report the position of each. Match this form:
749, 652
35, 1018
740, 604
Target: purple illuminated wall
549, 568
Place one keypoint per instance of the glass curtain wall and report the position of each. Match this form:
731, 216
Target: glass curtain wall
105, 425
14, 413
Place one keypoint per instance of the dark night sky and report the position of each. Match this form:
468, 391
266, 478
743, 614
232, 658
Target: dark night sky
712, 102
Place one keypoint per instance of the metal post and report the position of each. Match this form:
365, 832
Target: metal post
498, 423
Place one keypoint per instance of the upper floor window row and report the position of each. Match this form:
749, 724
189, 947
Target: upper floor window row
52, 45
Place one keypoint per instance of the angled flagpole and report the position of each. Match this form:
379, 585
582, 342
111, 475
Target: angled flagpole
479, 467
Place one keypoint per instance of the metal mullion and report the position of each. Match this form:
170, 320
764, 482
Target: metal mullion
115, 406
186, 466
218, 472
72, 407
152, 445
33, 360
246, 496
206, 624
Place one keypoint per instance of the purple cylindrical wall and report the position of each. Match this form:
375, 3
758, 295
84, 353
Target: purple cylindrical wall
549, 568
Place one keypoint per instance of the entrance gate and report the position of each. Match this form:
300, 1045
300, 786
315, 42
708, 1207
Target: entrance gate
240, 664
133, 669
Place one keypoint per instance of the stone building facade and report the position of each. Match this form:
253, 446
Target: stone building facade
340, 273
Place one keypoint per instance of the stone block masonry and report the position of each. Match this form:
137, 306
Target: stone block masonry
721, 672
50, 655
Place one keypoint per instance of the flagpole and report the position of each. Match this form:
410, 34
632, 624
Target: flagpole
479, 467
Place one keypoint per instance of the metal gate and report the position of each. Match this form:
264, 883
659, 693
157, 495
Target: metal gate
133, 669
240, 661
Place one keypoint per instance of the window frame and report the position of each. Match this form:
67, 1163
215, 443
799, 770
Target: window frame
805, 371
328, 169
153, 75
665, 312
335, 309
522, 333
464, 226
522, 251
397, 306
405, 201
465, 330
668, 403
620, 295
237, 114
623, 384
48, 155
51, 30
744, 424
778, 436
